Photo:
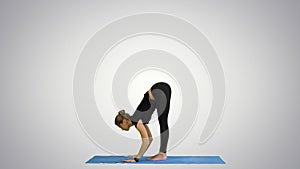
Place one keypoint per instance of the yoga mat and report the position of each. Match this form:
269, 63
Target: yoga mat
171, 160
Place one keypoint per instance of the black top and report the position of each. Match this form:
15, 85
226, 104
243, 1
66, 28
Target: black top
161, 91
144, 110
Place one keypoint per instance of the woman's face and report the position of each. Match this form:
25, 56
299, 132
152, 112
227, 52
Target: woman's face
124, 125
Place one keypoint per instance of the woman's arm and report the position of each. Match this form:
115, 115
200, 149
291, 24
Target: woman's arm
145, 138
149, 133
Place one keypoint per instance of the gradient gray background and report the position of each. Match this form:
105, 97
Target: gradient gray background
257, 43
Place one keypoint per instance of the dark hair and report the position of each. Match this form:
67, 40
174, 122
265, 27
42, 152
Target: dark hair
120, 117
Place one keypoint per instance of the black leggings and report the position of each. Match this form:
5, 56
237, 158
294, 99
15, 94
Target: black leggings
163, 112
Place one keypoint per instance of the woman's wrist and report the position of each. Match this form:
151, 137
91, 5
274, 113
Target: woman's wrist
136, 159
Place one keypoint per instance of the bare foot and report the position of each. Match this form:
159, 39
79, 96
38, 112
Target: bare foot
159, 156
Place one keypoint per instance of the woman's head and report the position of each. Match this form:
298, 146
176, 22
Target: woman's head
123, 121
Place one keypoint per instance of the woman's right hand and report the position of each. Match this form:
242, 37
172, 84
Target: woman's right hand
129, 161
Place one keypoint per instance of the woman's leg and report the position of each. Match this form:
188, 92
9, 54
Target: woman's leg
164, 129
163, 108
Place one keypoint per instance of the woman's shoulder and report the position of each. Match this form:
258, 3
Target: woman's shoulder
140, 122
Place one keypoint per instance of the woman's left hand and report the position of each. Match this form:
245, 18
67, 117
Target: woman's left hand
129, 161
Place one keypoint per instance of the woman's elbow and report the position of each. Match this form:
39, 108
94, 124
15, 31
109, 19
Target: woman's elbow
150, 140
147, 141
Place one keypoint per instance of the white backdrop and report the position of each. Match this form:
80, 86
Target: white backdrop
257, 44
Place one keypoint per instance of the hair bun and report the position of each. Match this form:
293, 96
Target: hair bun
122, 112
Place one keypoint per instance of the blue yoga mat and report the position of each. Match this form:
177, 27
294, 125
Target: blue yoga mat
170, 160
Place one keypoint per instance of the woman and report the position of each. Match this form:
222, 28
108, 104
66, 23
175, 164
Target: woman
157, 97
